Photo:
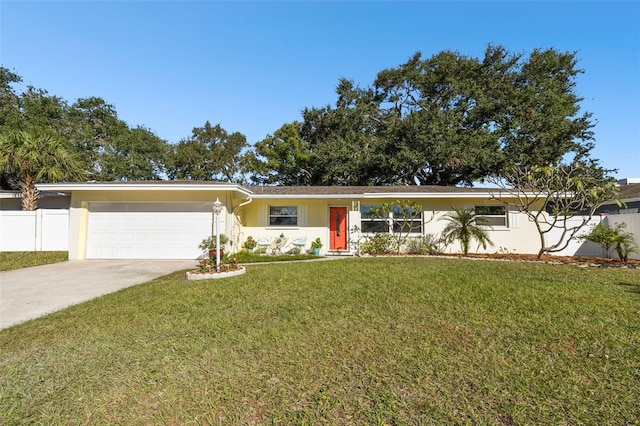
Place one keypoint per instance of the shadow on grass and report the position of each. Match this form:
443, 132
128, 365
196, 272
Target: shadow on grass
630, 287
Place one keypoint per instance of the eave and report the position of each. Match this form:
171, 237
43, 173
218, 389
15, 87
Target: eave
144, 186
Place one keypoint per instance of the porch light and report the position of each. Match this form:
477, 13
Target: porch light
217, 209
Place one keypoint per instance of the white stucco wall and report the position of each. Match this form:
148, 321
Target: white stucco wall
520, 236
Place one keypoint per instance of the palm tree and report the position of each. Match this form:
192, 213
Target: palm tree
625, 245
31, 157
465, 226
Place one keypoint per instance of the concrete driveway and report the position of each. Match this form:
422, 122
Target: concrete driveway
32, 292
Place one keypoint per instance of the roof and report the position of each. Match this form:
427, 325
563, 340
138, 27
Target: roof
429, 191
145, 185
628, 191
9, 193
266, 192
124, 183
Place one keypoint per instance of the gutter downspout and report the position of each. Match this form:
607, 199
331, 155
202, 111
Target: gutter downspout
233, 210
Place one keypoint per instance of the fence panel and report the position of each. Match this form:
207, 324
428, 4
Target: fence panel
17, 231
40, 230
577, 247
633, 226
54, 230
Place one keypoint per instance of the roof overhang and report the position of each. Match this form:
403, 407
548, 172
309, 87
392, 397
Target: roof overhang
144, 186
287, 193
432, 195
371, 195
10, 194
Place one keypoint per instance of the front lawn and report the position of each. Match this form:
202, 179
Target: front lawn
352, 341
24, 259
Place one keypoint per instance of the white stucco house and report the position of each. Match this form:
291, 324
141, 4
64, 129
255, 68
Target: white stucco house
168, 219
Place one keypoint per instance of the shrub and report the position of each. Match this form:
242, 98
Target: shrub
209, 243
428, 244
378, 244
607, 236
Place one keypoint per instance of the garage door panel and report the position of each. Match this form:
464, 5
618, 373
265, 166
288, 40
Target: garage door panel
131, 231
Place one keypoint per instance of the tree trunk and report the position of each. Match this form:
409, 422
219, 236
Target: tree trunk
542, 246
30, 194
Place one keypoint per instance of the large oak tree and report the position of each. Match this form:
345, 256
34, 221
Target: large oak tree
106, 146
211, 153
111, 149
450, 119
282, 158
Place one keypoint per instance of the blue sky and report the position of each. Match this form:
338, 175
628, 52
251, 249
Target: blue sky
253, 66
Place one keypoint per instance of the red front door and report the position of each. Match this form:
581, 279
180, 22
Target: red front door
337, 228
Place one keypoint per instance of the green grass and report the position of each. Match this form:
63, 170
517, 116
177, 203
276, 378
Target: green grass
23, 259
356, 341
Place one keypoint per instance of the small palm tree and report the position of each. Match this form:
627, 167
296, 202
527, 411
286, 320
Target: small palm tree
35, 156
465, 226
625, 245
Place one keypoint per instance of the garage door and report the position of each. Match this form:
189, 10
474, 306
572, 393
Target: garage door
147, 230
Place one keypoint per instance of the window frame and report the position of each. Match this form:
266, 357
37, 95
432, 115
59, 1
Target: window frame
491, 216
390, 227
271, 216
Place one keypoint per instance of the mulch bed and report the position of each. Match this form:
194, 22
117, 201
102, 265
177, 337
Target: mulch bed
571, 260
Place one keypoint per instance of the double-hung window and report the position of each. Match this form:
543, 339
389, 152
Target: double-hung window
496, 216
283, 215
371, 222
405, 220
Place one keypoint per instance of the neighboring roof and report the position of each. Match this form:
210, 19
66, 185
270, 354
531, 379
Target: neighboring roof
629, 191
18, 194
10, 194
628, 180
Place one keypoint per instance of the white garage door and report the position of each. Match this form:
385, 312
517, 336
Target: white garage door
147, 230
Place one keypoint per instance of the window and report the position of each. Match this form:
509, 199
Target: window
371, 222
283, 216
407, 220
404, 220
495, 215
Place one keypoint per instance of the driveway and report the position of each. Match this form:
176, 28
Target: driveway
32, 292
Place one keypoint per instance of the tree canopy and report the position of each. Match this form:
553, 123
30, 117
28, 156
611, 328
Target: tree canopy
211, 153
111, 149
283, 158
33, 156
450, 119
551, 196
106, 147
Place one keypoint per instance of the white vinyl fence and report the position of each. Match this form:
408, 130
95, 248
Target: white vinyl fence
40, 230
587, 248
632, 221
577, 247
